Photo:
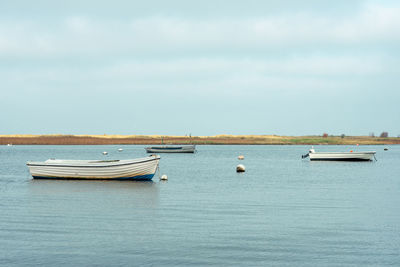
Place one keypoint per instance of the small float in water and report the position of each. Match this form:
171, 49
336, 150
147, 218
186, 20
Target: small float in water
340, 156
240, 168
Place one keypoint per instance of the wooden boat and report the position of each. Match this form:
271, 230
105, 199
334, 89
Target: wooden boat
171, 149
340, 156
128, 169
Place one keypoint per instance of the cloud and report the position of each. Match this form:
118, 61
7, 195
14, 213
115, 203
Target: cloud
203, 56
85, 36
204, 76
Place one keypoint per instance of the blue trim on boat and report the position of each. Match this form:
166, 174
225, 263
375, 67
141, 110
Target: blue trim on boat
146, 177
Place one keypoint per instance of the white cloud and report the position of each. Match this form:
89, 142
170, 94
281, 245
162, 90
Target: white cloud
79, 25
315, 65
126, 51
204, 76
82, 36
375, 23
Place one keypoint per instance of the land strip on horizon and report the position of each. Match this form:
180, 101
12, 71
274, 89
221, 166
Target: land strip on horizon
59, 139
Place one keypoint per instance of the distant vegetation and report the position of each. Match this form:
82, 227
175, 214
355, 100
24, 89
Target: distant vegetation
384, 134
200, 140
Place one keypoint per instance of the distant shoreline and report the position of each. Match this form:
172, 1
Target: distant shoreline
198, 140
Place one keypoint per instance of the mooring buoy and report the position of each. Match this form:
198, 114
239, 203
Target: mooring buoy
241, 157
120, 150
105, 153
240, 168
164, 177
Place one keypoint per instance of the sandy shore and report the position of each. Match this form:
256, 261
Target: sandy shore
58, 139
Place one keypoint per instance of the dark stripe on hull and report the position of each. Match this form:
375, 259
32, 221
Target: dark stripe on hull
166, 151
167, 148
146, 177
349, 159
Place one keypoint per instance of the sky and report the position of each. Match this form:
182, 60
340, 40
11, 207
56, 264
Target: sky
205, 67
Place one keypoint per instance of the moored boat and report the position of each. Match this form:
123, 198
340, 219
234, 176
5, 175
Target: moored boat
171, 149
128, 169
341, 156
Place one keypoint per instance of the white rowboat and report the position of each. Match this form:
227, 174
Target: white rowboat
128, 169
341, 156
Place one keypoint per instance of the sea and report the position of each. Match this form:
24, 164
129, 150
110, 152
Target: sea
282, 211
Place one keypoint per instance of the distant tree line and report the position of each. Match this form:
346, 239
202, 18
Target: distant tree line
371, 134
384, 134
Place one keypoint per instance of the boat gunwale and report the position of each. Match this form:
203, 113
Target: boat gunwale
90, 166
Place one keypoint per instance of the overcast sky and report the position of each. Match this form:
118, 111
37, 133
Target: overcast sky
200, 67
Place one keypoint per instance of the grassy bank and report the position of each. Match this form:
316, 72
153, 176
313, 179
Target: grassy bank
200, 140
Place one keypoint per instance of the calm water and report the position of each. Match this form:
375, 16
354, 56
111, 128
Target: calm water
282, 211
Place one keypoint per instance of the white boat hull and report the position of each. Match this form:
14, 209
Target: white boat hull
342, 156
171, 149
133, 169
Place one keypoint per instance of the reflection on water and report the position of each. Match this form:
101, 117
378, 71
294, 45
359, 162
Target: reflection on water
140, 193
283, 211
52, 185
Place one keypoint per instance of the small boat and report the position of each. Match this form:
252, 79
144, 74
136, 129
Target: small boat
171, 149
341, 156
128, 169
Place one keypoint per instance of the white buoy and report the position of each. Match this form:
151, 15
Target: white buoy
105, 153
240, 168
241, 157
120, 149
164, 177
